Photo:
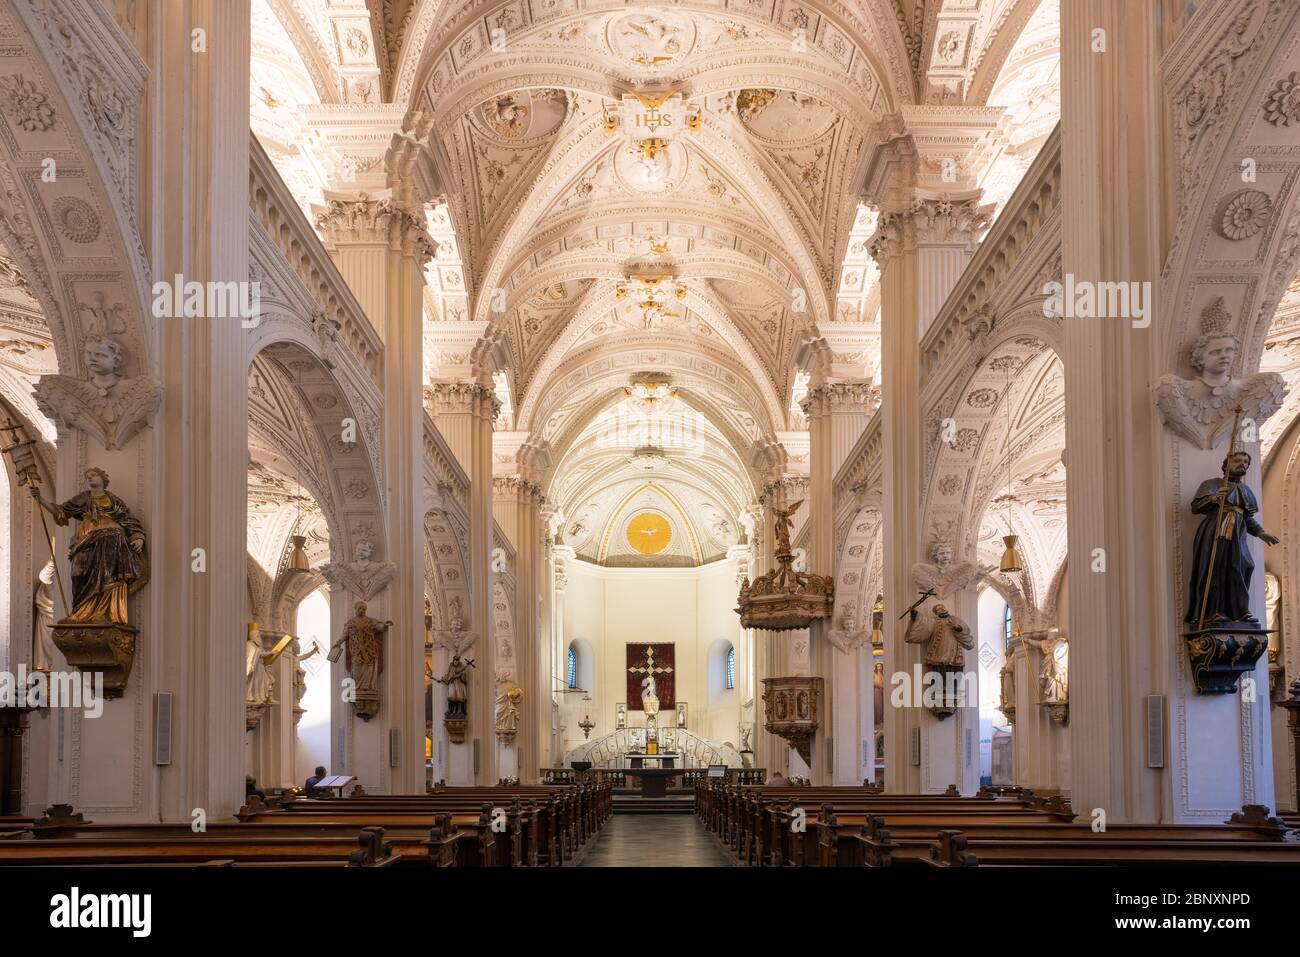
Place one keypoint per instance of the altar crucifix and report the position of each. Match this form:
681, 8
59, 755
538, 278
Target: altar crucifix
650, 662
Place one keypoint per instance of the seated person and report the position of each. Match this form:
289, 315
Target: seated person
313, 781
251, 788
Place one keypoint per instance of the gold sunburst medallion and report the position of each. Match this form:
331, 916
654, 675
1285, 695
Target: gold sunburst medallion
649, 533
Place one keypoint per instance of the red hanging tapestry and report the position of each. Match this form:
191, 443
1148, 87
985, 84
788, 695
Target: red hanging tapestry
645, 661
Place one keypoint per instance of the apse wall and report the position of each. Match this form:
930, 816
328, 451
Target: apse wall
692, 608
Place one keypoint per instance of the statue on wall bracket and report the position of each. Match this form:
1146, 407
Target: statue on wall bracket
947, 639
1224, 639
109, 561
363, 638
456, 678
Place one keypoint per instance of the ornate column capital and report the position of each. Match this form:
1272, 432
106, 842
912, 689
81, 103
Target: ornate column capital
780, 491
519, 488
464, 398
376, 222
941, 221
831, 397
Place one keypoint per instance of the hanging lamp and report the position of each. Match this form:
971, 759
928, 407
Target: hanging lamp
1011, 562
298, 561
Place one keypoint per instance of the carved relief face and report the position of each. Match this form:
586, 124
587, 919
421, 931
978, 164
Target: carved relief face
103, 356
941, 552
365, 550
1216, 356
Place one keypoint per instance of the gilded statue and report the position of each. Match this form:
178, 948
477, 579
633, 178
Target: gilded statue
363, 639
108, 552
783, 523
508, 710
1054, 673
259, 683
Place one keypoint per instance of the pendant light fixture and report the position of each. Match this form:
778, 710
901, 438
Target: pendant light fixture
298, 561
1011, 562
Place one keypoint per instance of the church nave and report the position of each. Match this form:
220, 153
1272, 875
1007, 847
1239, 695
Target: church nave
454, 436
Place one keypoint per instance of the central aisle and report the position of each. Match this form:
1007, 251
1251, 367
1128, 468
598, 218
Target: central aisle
654, 840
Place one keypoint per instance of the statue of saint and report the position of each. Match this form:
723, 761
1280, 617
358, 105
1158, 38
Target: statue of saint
363, 638
1054, 675
1219, 590
107, 554
43, 648
258, 680
457, 686
948, 639
1007, 697
508, 710
878, 691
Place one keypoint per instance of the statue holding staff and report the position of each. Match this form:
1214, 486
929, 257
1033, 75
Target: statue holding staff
1219, 590
107, 554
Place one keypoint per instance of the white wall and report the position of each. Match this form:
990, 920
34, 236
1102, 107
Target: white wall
691, 608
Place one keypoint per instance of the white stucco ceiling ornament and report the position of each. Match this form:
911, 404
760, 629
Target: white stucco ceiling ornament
651, 393
651, 41
651, 458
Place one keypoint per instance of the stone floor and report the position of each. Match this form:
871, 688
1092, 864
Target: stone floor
654, 840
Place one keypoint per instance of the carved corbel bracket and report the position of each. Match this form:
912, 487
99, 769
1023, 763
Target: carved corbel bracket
110, 415
363, 579
1221, 654
1202, 415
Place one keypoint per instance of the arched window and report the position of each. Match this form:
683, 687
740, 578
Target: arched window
1007, 630
731, 668
573, 668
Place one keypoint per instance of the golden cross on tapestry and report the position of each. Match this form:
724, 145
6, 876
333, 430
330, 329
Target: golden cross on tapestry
647, 664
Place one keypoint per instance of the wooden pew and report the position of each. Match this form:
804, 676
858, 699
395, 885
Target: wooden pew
446, 827
366, 848
886, 840
955, 849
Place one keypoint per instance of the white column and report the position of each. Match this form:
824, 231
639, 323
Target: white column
198, 214
921, 250
464, 413
381, 250
517, 503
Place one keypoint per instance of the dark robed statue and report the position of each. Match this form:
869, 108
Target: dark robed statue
107, 553
1221, 562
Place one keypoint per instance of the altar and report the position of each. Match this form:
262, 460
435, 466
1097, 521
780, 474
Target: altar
664, 759
654, 781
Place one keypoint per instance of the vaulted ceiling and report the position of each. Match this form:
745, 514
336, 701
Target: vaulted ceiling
644, 187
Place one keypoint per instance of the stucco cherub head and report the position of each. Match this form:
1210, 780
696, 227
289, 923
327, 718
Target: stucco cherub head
365, 550
104, 357
1213, 357
941, 554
